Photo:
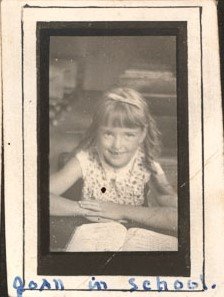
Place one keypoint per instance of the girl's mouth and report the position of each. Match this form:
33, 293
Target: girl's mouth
115, 153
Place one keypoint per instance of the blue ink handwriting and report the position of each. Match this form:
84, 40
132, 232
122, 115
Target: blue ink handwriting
97, 285
162, 285
20, 286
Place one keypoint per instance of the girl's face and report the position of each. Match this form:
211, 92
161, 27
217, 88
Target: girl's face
117, 145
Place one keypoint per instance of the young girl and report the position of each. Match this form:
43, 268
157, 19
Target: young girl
116, 160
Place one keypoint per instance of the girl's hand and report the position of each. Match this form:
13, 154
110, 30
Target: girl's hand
103, 209
80, 211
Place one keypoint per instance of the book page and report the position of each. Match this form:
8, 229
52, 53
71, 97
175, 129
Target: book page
145, 240
98, 237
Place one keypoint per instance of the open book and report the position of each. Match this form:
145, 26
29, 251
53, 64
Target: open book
114, 236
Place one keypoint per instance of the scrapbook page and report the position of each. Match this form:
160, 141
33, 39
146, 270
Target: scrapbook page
113, 148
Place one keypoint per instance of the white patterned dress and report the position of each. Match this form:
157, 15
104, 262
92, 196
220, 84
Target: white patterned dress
124, 186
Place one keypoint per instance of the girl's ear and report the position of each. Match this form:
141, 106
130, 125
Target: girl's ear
143, 135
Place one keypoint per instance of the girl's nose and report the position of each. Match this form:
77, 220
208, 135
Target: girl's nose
117, 142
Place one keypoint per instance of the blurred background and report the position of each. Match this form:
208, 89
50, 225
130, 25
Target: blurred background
81, 69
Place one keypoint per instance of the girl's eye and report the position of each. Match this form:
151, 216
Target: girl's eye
129, 135
107, 133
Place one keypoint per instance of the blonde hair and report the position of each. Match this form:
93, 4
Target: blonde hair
125, 107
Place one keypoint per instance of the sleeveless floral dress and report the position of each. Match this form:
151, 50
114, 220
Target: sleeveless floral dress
124, 186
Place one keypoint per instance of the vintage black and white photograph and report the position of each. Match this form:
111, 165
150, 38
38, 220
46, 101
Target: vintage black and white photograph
113, 143
113, 157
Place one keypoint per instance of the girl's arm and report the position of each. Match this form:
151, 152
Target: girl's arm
155, 217
59, 183
166, 195
66, 177
164, 218
60, 206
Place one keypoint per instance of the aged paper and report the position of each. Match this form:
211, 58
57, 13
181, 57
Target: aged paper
31, 267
